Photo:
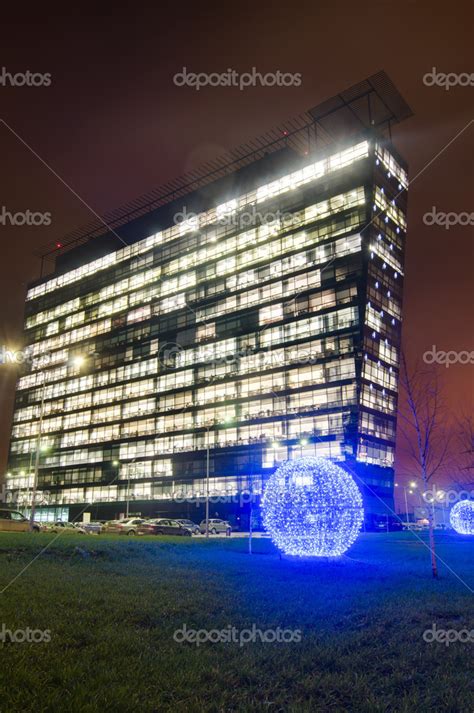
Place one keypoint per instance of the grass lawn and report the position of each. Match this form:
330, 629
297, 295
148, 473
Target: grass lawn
112, 616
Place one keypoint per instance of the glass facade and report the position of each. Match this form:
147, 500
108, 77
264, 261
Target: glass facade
264, 328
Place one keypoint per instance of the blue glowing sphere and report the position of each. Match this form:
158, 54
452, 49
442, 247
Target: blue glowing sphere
462, 517
312, 507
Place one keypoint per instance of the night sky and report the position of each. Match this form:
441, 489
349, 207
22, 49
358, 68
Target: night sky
113, 125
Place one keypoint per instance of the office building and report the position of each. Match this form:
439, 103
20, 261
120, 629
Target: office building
238, 318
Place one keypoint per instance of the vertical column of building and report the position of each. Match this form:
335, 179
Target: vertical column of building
384, 238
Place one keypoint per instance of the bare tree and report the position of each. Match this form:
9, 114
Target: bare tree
425, 430
464, 459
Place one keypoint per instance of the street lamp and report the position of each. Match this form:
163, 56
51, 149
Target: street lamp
38, 439
439, 496
228, 420
405, 488
208, 428
78, 361
116, 464
37, 457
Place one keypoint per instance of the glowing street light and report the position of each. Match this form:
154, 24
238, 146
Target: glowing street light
78, 361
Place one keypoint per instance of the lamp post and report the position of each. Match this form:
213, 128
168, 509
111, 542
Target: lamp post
440, 495
227, 421
406, 504
37, 450
127, 509
410, 489
116, 464
207, 480
37, 457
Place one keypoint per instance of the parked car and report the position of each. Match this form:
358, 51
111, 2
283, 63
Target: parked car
195, 529
382, 523
215, 526
14, 521
123, 527
163, 526
68, 528
92, 528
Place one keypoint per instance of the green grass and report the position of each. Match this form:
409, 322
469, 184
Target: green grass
112, 616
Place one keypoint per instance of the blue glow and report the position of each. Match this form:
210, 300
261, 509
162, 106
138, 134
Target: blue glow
312, 507
462, 517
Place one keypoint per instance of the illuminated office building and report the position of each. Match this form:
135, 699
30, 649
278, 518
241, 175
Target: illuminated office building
249, 316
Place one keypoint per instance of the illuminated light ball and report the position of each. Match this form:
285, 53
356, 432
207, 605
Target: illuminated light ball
462, 517
312, 507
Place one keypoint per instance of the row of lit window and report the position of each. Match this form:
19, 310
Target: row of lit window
376, 426
378, 318
293, 380
305, 175
302, 353
389, 207
170, 303
131, 284
256, 433
73, 309
386, 352
379, 374
376, 454
331, 397
338, 248
265, 233
392, 166
388, 258
304, 327
377, 399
